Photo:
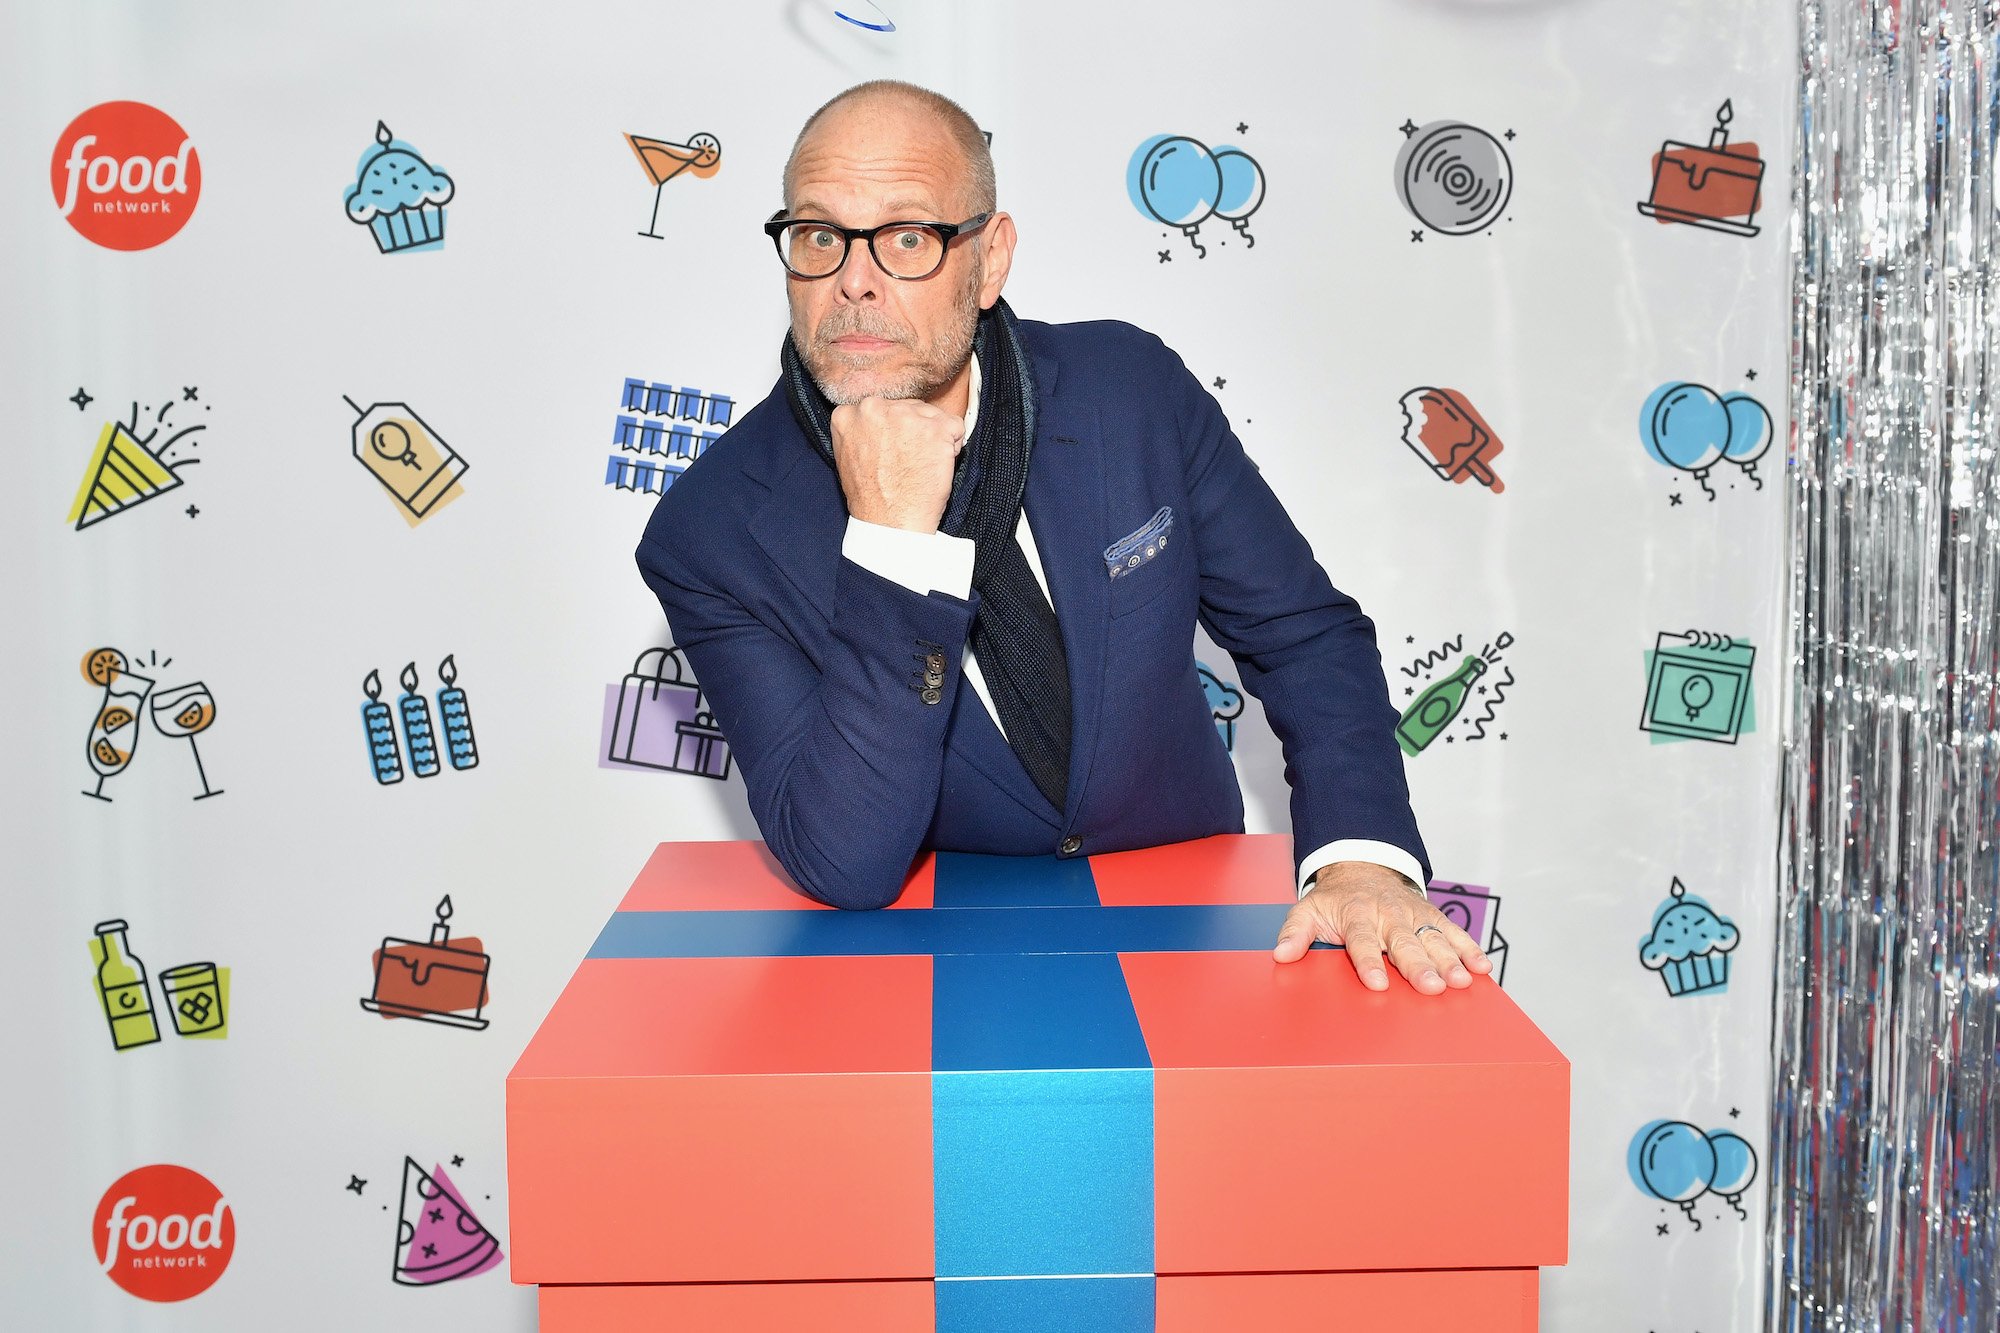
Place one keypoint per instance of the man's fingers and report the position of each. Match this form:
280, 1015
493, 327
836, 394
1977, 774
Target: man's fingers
1444, 958
1414, 961
1466, 950
1364, 946
1296, 936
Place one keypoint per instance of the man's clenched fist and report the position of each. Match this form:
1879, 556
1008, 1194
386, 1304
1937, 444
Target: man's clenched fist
895, 458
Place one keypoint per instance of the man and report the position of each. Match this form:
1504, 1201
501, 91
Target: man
940, 587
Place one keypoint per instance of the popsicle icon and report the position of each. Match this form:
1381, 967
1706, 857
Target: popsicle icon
1448, 433
411, 460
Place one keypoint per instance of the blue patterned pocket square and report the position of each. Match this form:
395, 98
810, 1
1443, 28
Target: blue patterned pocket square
1128, 553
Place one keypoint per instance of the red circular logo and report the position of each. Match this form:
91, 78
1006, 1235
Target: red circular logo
164, 1233
125, 175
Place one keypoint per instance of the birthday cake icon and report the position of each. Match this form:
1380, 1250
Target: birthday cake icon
398, 196
437, 980
1717, 186
1689, 946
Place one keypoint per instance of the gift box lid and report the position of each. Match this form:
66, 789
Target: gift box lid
1027, 1065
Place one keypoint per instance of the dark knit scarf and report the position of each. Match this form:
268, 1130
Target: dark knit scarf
1014, 633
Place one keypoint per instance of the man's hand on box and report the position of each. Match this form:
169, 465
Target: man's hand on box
1372, 910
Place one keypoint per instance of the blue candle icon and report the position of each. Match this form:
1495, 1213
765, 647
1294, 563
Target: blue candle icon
417, 734
457, 716
382, 749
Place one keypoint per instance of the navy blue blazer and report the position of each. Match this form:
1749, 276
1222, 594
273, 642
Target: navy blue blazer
813, 666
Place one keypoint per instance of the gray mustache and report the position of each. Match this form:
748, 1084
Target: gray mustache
858, 323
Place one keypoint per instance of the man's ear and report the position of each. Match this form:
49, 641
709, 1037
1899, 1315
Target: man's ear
996, 255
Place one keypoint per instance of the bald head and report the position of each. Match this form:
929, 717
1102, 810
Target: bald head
887, 114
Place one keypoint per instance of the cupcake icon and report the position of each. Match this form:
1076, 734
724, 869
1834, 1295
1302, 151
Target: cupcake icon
1689, 946
398, 196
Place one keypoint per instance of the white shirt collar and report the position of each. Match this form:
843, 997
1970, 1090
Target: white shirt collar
972, 401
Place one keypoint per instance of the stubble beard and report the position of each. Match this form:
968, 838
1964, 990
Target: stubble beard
849, 379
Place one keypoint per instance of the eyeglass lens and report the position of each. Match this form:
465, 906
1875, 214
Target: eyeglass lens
814, 250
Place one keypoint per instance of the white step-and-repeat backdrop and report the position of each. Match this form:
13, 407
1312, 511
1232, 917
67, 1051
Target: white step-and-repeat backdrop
349, 346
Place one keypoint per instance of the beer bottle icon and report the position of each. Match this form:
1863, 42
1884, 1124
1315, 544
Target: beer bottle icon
121, 986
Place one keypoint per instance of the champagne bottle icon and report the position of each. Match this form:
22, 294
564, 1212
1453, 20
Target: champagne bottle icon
1439, 706
121, 986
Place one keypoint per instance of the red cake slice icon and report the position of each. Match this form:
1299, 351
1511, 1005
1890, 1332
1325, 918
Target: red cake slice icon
437, 1237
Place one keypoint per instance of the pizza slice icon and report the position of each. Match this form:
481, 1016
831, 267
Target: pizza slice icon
437, 1237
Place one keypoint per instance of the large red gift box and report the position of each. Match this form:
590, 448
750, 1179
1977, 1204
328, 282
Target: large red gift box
1034, 1093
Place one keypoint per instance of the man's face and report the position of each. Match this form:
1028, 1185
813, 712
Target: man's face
863, 333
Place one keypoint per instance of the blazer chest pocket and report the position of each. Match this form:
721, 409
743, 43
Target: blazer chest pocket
1142, 564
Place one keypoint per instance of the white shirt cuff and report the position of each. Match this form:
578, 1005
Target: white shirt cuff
921, 561
1363, 849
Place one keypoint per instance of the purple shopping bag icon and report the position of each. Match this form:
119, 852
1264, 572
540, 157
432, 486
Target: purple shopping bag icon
654, 719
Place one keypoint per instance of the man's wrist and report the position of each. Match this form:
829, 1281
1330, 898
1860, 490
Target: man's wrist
1384, 854
921, 561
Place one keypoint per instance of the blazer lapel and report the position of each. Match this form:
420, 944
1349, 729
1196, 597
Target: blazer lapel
1066, 509
801, 526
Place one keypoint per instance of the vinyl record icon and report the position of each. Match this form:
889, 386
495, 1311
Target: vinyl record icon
1456, 178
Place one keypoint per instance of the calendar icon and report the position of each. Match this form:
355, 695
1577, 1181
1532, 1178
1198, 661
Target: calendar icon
1698, 687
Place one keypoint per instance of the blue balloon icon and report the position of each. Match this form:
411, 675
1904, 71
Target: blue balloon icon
1685, 426
1674, 1161
1177, 180
1691, 427
1749, 433
1735, 1168
1242, 189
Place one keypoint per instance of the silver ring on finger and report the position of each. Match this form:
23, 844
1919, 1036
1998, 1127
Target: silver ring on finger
1421, 929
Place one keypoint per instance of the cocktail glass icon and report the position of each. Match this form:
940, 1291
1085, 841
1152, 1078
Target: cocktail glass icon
662, 160
187, 710
114, 733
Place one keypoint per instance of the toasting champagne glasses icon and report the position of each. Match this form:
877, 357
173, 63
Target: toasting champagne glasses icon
114, 733
187, 710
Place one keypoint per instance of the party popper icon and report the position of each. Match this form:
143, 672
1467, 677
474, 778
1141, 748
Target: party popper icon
139, 458
401, 451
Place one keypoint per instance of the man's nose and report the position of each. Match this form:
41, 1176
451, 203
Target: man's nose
861, 278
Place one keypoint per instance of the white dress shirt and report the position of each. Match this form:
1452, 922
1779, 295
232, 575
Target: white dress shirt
928, 562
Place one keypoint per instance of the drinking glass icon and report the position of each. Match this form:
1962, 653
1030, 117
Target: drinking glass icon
663, 159
187, 710
114, 732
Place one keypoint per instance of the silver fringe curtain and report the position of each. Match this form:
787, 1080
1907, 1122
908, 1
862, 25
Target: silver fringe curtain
1884, 1211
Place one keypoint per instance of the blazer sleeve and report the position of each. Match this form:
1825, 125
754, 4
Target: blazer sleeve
843, 759
1304, 648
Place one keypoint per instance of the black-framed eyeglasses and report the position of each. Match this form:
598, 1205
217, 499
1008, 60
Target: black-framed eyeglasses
812, 248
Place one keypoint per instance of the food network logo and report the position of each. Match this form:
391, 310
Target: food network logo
163, 1233
125, 175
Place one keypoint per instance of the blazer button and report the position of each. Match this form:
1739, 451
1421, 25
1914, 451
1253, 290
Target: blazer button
933, 678
935, 662
931, 695
1071, 844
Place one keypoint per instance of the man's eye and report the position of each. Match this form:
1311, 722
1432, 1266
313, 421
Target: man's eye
908, 240
822, 238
